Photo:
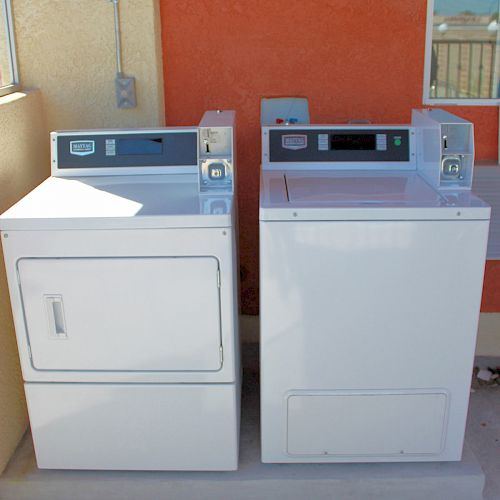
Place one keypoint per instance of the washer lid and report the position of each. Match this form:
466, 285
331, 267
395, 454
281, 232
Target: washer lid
348, 188
361, 195
138, 201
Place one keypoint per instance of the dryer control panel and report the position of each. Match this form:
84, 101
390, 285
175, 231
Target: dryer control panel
124, 152
206, 150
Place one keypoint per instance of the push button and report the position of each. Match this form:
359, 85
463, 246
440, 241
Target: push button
323, 142
381, 142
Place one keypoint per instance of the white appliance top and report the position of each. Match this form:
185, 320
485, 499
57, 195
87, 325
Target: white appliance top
487, 186
115, 202
361, 195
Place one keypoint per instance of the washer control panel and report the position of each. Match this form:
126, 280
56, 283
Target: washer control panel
338, 144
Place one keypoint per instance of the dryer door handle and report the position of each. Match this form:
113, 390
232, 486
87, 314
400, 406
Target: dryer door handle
55, 313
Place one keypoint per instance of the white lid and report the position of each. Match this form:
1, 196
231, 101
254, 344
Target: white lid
350, 188
147, 201
361, 195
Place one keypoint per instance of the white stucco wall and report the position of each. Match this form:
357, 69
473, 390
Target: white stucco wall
66, 49
24, 163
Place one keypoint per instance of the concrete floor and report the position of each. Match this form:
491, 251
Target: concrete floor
425, 481
482, 434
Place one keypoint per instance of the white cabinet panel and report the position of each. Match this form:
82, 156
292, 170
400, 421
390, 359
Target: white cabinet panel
364, 306
134, 426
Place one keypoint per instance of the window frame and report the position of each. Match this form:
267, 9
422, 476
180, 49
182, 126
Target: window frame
6, 7
427, 99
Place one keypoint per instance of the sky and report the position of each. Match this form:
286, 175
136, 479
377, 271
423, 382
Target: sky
452, 7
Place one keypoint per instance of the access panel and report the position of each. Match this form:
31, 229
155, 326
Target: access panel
122, 314
366, 424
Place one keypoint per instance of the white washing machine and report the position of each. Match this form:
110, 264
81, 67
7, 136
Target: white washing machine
122, 271
372, 252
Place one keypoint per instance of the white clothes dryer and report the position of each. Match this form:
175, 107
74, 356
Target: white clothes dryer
124, 289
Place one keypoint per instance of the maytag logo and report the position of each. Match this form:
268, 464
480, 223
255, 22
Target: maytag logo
295, 141
82, 148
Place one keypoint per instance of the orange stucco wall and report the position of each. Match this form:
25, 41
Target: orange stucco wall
351, 58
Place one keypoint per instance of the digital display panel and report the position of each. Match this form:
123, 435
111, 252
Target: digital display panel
353, 142
139, 146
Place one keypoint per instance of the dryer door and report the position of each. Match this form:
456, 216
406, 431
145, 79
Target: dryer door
122, 314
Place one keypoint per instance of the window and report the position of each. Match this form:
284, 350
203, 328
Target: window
8, 68
462, 60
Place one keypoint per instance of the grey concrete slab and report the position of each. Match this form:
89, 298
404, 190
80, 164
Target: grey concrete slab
420, 481
483, 434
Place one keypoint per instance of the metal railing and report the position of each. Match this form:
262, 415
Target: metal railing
464, 69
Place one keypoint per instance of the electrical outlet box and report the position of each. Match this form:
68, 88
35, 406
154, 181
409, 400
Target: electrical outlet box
125, 91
